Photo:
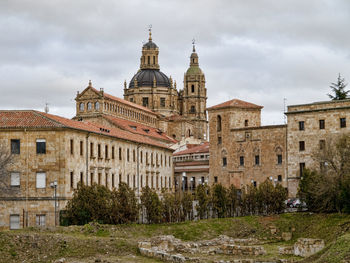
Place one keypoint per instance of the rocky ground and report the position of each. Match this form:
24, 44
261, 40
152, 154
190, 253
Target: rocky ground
106, 243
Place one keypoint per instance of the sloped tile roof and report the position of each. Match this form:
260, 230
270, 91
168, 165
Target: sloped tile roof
37, 119
202, 148
138, 128
235, 103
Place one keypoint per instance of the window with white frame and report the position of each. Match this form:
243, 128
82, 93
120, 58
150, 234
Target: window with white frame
14, 221
40, 180
15, 179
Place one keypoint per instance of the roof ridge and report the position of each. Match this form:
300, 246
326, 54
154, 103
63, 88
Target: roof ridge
39, 113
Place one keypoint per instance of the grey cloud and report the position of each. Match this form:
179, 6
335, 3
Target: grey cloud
259, 51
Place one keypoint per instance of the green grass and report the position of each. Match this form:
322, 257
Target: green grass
120, 241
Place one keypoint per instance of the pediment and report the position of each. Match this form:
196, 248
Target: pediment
89, 93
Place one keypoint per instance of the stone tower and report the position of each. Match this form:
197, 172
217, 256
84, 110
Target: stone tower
194, 97
150, 87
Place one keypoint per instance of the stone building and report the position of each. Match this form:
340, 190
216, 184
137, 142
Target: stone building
54, 152
309, 127
242, 151
181, 113
191, 167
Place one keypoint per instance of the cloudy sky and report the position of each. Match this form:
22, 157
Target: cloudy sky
260, 51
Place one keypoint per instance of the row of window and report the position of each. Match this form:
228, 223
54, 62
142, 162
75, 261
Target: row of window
150, 159
191, 157
256, 160
41, 149
322, 124
118, 109
110, 181
40, 220
322, 145
16, 146
163, 182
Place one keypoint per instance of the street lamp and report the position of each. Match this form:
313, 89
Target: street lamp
54, 186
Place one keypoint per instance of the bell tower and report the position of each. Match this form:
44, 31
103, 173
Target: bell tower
195, 97
150, 51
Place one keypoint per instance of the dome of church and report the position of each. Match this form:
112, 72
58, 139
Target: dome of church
150, 44
145, 78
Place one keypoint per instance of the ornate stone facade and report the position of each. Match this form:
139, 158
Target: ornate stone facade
182, 113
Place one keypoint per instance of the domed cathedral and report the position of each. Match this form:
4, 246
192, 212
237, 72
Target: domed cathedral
150, 87
182, 113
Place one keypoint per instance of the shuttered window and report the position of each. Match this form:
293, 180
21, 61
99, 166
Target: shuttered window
40, 146
15, 179
40, 180
14, 221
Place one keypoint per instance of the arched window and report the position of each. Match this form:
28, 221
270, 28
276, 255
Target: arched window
89, 106
81, 106
218, 123
97, 105
189, 133
148, 60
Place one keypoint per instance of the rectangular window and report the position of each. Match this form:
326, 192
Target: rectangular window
146, 180
193, 109
99, 178
14, 222
224, 161
113, 182
81, 148
40, 180
141, 155
91, 149
40, 146
81, 177
99, 151
120, 178
215, 179
152, 159
134, 181
301, 146
219, 140
71, 180
128, 180
106, 179
302, 168
322, 124
257, 159
342, 122
40, 220
120, 153
91, 178
322, 144
162, 102
15, 179
241, 160
106, 151
301, 126
133, 156
279, 158
145, 102
112, 152
71, 146
128, 155
15, 146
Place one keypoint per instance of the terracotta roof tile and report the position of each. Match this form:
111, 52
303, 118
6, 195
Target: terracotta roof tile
202, 148
138, 128
37, 119
236, 103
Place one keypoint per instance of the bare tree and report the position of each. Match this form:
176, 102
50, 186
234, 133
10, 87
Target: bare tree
5, 161
324, 186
